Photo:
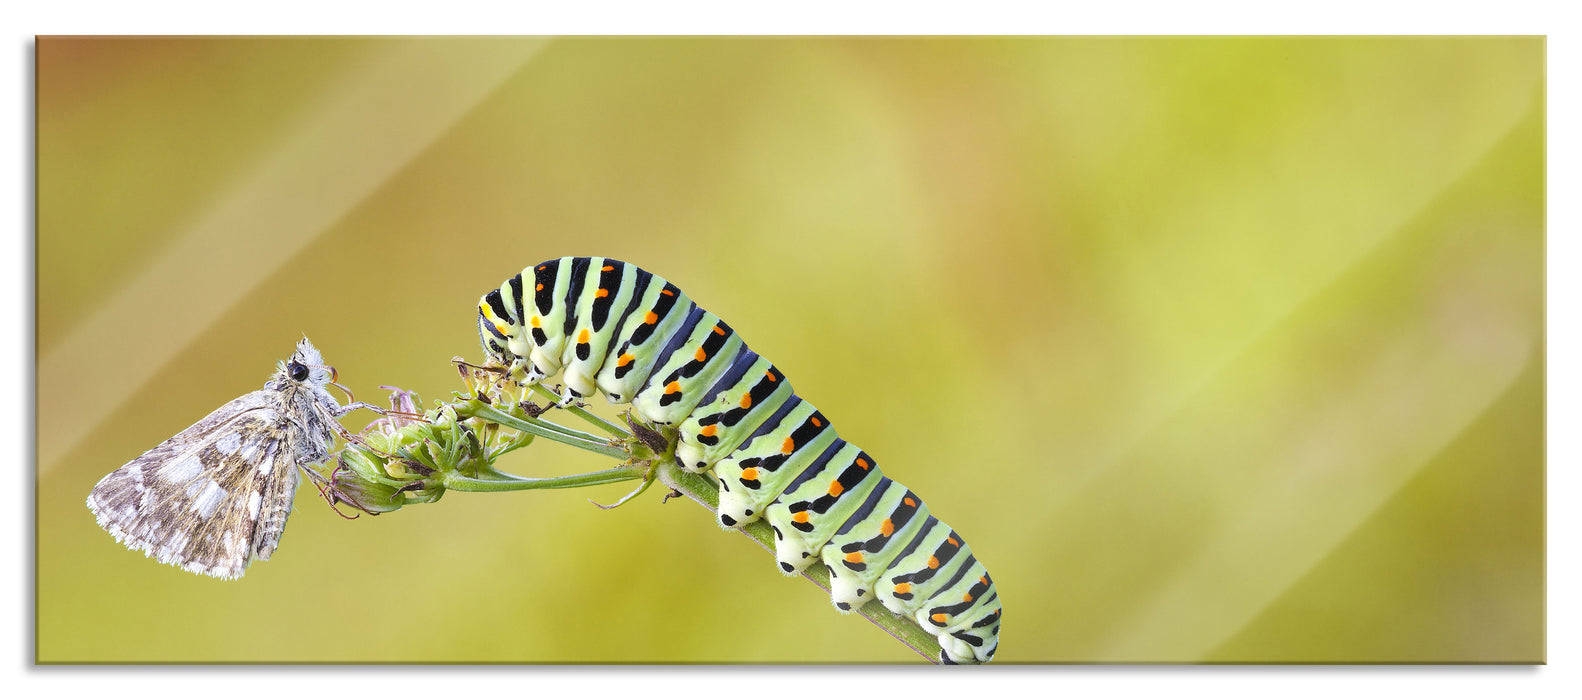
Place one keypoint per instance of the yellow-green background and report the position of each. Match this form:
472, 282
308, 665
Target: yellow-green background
1214, 350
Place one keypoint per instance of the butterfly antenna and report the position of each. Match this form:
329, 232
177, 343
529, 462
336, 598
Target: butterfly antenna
334, 381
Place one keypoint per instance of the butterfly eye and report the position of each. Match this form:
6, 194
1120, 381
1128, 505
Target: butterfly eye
299, 371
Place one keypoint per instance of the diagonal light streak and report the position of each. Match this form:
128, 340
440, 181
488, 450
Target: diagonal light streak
386, 112
1344, 459
1331, 452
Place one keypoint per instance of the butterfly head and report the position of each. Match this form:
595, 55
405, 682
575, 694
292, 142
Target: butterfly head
305, 367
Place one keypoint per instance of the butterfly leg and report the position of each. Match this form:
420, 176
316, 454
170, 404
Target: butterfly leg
335, 412
339, 411
329, 492
568, 397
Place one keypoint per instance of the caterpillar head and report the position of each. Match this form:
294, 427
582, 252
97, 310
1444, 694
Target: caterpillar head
493, 334
503, 339
497, 330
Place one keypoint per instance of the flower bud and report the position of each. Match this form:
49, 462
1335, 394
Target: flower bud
358, 462
346, 486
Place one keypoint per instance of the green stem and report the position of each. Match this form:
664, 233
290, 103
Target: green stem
596, 420
548, 430
457, 482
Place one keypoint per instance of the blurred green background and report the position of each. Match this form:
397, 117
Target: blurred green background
1215, 350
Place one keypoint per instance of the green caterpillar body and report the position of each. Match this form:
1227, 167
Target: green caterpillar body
612, 328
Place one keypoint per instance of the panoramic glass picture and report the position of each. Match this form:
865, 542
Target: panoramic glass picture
1020, 350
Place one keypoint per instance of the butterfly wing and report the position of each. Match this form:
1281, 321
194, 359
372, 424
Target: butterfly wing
210, 498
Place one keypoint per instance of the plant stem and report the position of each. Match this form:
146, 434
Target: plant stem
584, 414
548, 430
457, 482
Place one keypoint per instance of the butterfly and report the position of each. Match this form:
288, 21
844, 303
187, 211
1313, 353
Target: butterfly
216, 496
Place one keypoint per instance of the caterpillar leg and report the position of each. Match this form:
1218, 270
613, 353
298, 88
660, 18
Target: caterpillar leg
772, 458
975, 643
980, 633
524, 372
819, 501
741, 400
568, 396
576, 388
861, 551
953, 651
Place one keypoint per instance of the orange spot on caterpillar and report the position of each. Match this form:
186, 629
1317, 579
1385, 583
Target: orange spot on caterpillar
538, 287
543, 267
933, 562
887, 527
983, 580
624, 360
938, 617
535, 321
747, 400
908, 500
718, 330
966, 598
854, 557
817, 423
672, 387
771, 375
862, 463
602, 293
709, 430
903, 588
606, 268
701, 355
667, 292
502, 329
952, 541
650, 318
788, 446
583, 336
799, 517
835, 488
750, 474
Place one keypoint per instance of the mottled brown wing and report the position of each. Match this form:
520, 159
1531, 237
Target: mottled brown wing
209, 498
